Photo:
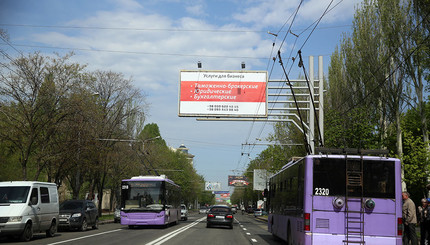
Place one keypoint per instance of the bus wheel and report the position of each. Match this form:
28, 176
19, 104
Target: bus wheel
27, 234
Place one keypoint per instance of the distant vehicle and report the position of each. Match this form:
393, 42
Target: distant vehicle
117, 215
337, 199
258, 212
234, 210
220, 216
184, 212
150, 200
78, 214
203, 210
28, 207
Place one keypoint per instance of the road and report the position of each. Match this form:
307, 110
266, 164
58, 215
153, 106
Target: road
246, 230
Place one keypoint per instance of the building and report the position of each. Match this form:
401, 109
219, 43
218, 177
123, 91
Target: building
182, 148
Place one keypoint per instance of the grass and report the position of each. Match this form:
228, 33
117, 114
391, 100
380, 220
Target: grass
106, 217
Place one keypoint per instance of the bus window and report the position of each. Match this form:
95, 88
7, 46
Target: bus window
329, 177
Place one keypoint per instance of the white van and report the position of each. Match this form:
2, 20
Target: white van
28, 207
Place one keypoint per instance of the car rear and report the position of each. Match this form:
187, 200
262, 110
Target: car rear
220, 216
184, 212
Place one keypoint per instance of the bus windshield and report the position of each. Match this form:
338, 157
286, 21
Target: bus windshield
14, 194
142, 195
330, 177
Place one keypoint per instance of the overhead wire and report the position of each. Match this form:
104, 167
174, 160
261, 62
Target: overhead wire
293, 15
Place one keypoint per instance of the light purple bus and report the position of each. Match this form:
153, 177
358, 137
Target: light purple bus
337, 199
150, 200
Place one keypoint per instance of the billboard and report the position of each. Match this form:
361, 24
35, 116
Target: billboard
260, 179
212, 186
237, 181
223, 93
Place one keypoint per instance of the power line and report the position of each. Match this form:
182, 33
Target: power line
140, 53
158, 29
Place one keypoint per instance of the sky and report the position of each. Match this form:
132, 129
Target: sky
151, 41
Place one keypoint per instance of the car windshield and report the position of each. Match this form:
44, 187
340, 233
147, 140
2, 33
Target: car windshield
14, 194
71, 205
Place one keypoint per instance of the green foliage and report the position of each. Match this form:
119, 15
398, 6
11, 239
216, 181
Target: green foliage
415, 164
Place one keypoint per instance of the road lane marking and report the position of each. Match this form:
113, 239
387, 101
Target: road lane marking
170, 235
248, 233
253, 240
79, 238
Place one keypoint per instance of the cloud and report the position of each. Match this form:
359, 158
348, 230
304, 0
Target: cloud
196, 9
276, 13
153, 48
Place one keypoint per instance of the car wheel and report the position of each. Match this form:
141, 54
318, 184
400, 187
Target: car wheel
96, 223
84, 225
231, 226
27, 234
52, 229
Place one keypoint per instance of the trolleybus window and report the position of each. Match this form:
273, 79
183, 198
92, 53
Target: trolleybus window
329, 178
146, 195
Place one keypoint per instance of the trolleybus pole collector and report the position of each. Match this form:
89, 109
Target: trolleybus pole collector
337, 199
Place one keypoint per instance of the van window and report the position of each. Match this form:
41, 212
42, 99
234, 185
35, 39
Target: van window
44, 194
14, 194
34, 194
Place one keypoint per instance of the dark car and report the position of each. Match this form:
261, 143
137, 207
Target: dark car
220, 216
78, 214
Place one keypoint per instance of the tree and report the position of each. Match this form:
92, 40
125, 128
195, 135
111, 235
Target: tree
30, 95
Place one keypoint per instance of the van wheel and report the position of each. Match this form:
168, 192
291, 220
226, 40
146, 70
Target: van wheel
96, 223
52, 229
84, 225
27, 234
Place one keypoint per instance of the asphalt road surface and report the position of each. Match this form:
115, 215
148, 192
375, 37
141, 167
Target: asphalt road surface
246, 230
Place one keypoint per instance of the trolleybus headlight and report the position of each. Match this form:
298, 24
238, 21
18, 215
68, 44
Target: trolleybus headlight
338, 202
369, 204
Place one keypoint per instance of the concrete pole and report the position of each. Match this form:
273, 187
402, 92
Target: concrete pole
321, 96
311, 106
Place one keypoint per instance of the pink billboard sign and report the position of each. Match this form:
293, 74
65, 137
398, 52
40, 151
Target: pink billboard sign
223, 93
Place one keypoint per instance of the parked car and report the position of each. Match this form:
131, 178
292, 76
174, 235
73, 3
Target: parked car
19, 201
203, 210
78, 214
220, 216
184, 212
117, 215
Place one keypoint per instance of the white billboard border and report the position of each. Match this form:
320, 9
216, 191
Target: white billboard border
223, 115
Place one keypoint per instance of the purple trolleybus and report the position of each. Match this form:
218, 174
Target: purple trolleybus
337, 199
150, 200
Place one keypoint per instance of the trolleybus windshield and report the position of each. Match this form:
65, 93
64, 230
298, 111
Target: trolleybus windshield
142, 195
329, 178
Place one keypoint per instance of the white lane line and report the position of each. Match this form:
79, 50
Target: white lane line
244, 229
170, 235
248, 233
253, 240
79, 238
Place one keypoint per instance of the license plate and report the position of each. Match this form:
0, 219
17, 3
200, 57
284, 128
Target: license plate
219, 217
63, 220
